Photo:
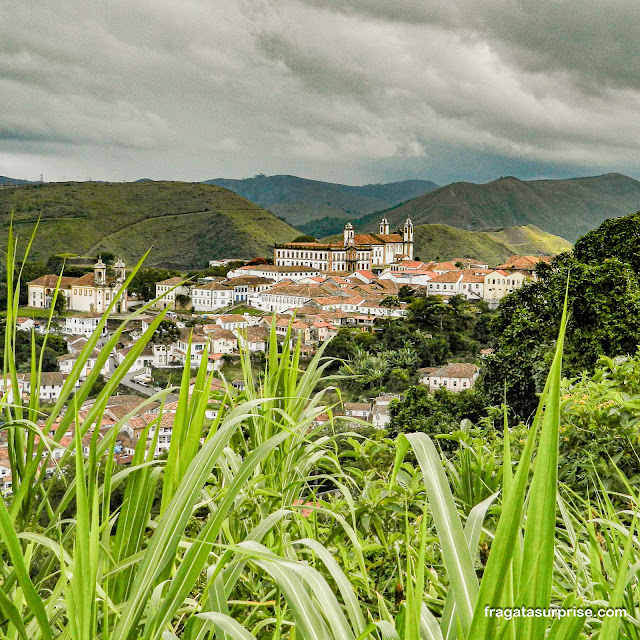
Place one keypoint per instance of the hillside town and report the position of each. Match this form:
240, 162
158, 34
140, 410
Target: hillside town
310, 292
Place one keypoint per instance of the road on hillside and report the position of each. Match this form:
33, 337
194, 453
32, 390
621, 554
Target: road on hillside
142, 389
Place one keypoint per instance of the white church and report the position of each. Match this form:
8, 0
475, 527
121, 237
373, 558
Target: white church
92, 292
355, 252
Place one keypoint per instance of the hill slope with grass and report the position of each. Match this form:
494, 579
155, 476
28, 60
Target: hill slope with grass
442, 242
186, 224
301, 201
568, 208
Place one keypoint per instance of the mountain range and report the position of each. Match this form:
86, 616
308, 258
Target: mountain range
567, 208
301, 201
184, 224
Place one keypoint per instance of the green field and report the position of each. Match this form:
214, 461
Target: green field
184, 224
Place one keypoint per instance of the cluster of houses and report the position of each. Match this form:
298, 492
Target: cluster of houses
279, 288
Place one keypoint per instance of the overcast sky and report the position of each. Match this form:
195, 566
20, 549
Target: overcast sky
354, 91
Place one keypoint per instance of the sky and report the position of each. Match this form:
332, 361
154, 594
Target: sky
351, 91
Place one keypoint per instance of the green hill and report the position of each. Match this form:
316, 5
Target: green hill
187, 224
303, 201
442, 242
568, 208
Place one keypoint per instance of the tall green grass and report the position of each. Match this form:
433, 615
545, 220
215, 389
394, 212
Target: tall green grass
246, 541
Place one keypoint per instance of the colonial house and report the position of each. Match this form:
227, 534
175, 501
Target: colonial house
323, 331
445, 283
253, 338
92, 292
82, 325
232, 322
455, 376
360, 410
499, 283
355, 252
246, 287
51, 384
67, 361
221, 340
211, 296
169, 289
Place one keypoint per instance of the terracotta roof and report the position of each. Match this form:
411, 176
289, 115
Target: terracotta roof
468, 275
47, 378
456, 370
89, 280
172, 282
52, 280
213, 286
527, 263
248, 280
449, 276
232, 318
357, 406
445, 266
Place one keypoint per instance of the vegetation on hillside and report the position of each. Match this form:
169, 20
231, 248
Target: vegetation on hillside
184, 224
604, 299
567, 208
301, 201
442, 242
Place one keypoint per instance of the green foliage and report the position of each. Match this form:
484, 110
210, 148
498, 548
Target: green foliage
599, 429
144, 282
166, 332
568, 208
614, 238
437, 413
54, 346
304, 239
604, 299
124, 219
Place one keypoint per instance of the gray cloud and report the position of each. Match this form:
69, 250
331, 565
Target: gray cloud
351, 90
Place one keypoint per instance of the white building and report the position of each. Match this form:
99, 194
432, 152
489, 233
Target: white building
455, 376
68, 361
92, 292
355, 252
169, 289
499, 283
82, 325
211, 296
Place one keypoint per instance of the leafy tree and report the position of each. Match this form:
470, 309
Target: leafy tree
390, 302
614, 238
144, 282
106, 256
599, 426
61, 303
341, 346
436, 413
182, 301
55, 346
604, 305
406, 293
166, 333
304, 239
430, 313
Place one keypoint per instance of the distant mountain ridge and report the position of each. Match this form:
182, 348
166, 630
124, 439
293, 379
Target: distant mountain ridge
567, 208
185, 224
4, 180
301, 201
